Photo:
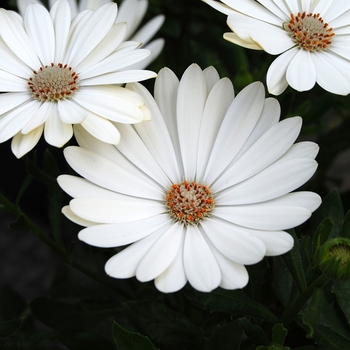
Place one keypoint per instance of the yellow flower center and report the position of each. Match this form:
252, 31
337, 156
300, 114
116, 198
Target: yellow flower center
53, 83
189, 202
309, 31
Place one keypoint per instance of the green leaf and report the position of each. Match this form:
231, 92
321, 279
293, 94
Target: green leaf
227, 337
342, 291
279, 334
321, 235
163, 325
254, 332
125, 340
345, 232
234, 302
294, 264
12, 305
331, 208
326, 338
9, 327
311, 318
63, 316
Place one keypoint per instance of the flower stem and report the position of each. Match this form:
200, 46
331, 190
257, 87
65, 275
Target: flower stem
32, 227
291, 312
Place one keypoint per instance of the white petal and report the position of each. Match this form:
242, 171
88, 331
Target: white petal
276, 242
233, 275
118, 60
190, 105
39, 118
75, 218
22, 144
11, 63
102, 101
111, 211
333, 73
236, 127
301, 73
165, 95
125, 263
17, 39
161, 254
12, 83
39, 27
95, 29
272, 38
115, 235
155, 47
270, 116
211, 77
70, 112
107, 45
305, 149
233, 242
23, 4
61, 18
248, 44
56, 132
11, 100
219, 6
217, 104
174, 277
100, 128
108, 174
263, 216
276, 75
252, 9
201, 267
278, 179
262, 154
136, 151
12, 122
147, 31
128, 76
160, 146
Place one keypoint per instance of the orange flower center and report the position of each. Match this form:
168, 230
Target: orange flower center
53, 83
189, 202
309, 31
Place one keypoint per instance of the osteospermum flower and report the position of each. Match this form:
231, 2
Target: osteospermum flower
57, 72
130, 11
197, 193
312, 38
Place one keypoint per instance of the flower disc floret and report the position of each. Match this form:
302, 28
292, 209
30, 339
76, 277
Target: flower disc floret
54, 82
309, 31
189, 202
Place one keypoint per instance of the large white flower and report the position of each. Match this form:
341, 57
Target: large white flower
130, 11
312, 36
57, 72
198, 192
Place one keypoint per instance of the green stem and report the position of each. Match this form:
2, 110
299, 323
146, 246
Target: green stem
290, 313
32, 227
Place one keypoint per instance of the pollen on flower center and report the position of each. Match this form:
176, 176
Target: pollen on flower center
189, 202
53, 83
309, 31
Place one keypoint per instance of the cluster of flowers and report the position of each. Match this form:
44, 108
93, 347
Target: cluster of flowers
196, 181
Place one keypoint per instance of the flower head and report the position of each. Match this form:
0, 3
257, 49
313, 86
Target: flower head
56, 72
131, 12
200, 191
311, 37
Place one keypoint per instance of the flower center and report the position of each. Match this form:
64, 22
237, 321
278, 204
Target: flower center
309, 31
189, 202
53, 83
341, 252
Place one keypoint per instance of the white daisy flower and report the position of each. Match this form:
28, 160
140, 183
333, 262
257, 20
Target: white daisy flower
312, 38
57, 72
130, 11
197, 193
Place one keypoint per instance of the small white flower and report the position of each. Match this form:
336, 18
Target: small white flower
57, 72
197, 193
130, 11
312, 38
